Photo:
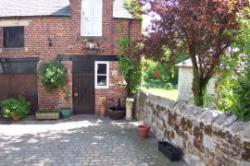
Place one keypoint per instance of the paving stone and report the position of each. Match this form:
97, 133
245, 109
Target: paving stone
78, 141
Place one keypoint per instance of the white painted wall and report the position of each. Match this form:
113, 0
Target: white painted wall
185, 79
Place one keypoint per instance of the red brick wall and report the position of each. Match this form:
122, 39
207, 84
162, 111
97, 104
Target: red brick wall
57, 98
65, 35
115, 91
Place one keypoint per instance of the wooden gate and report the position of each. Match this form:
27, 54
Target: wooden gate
83, 86
18, 78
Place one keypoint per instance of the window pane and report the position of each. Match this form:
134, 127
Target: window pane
101, 80
102, 69
13, 37
92, 12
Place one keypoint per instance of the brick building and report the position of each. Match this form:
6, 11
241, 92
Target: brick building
83, 34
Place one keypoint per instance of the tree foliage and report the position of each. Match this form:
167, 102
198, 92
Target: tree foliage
134, 7
202, 28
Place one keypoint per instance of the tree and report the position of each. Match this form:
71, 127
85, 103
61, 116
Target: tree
202, 28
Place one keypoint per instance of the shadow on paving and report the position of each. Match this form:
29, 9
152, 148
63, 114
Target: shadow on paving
80, 140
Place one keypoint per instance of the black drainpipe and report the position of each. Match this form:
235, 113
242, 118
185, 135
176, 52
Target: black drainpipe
129, 31
1, 66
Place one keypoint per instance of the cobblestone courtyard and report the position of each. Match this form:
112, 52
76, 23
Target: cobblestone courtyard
80, 140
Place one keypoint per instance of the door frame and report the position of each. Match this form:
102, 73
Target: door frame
93, 58
81, 70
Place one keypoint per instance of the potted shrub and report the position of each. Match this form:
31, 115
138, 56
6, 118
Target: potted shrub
65, 112
116, 112
15, 109
130, 69
47, 114
143, 130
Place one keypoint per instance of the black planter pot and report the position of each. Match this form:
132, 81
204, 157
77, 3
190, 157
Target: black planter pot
170, 151
116, 113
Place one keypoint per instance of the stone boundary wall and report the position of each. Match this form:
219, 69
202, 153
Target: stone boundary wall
207, 137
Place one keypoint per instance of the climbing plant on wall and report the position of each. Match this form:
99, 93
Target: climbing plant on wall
129, 68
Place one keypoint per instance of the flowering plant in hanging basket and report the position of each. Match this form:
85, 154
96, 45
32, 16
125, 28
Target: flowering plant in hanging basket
52, 75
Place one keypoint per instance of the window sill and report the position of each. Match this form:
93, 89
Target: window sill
101, 88
91, 37
14, 49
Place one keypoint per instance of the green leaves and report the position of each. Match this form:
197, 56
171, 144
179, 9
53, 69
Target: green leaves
242, 92
134, 7
233, 93
15, 108
242, 39
132, 74
129, 68
52, 75
167, 78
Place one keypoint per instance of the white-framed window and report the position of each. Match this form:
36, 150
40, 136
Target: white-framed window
101, 75
91, 18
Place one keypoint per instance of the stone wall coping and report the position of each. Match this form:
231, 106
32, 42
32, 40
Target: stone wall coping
219, 121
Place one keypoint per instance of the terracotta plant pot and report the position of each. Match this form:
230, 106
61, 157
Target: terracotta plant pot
143, 131
16, 117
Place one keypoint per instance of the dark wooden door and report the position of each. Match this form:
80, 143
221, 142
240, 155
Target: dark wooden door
83, 86
19, 78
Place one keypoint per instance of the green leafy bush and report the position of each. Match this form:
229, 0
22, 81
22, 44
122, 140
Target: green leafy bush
129, 68
15, 108
226, 98
242, 92
52, 75
233, 90
228, 80
157, 75
167, 74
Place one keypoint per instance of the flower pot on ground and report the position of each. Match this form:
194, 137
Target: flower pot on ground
116, 112
170, 151
65, 112
47, 114
129, 108
16, 117
15, 109
143, 131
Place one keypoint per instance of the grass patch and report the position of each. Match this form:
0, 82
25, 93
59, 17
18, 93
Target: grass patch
169, 94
